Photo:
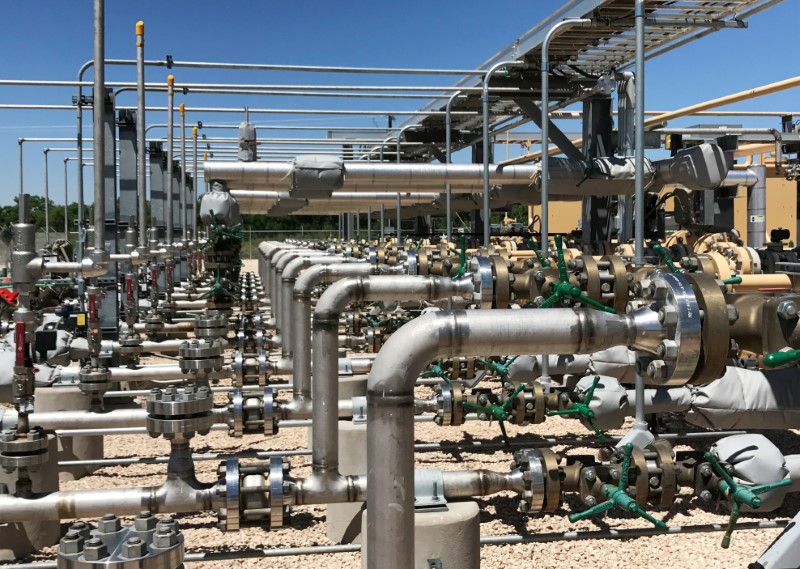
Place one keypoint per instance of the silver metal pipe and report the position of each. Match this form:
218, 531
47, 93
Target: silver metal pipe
325, 389
448, 148
66, 200
306, 282
638, 151
399, 222
757, 208
98, 127
390, 395
141, 145
168, 210
184, 223
195, 183
487, 210
20, 142
46, 199
383, 223
746, 178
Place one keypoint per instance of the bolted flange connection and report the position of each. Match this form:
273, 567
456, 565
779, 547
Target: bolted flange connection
23, 450
147, 543
541, 479
201, 357
247, 500
179, 410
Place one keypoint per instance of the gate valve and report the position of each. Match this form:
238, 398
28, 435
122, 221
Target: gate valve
661, 252
776, 359
218, 287
436, 370
617, 497
582, 409
499, 412
462, 259
543, 261
739, 493
563, 289
499, 369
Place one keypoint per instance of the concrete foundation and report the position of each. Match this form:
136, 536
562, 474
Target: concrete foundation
343, 521
20, 539
70, 448
452, 537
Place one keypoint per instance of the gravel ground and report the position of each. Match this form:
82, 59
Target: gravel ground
498, 513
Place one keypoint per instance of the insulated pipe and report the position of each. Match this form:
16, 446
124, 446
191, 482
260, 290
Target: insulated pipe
325, 477
305, 283
487, 211
757, 208
170, 166
141, 145
98, 128
390, 396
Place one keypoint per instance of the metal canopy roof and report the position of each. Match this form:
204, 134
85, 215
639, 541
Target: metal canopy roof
579, 55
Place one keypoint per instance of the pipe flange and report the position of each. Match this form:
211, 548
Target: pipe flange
412, 263
277, 509
444, 416
200, 349
502, 282
237, 367
679, 314
94, 380
28, 450
531, 464
236, 409
616, 268
231, 515
179, 401
483, 279
153, 323
668, 478
716, 329
130, 345
372, 256
269, 415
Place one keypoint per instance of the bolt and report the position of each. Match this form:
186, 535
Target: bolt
657, 369
71, 543
668, 316
134, 548
590, 501
145, 521
539, 275
615, 474
705, 470
523, 506
164, 538
109, 524
668, 350
658, 290
787, 310
733, 314
638, 289
82, 528
94, 550
590, 475
654, 482
705, 496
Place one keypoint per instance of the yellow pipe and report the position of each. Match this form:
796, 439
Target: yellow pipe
685, 111
754, 283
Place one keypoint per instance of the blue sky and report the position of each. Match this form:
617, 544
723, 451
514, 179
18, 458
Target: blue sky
51, 39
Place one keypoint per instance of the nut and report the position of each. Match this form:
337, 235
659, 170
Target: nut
82, 528
668, 316
109, 524
71, 543
733, 314
145, 521
657, 369
657, 290
668, 350
94, 550
165, 538
787, 310
134, 548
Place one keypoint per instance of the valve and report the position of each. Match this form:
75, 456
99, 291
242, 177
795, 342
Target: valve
462, 258
499, 412
739, 493
563, 289
617, 497
582, 409
500, 368
436, 370
543, 261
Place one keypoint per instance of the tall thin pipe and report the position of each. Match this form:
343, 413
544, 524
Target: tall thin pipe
544, 238
383, 223
638, 151
98, 127
194, 183
21, 141
487, 210
46, 199
448, 145
399, 220
66, 201
369, 223
170, 165
141, 129
183, 213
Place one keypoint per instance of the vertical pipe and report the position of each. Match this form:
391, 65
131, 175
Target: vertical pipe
66, 201
141, 148
369, 223
358, 225
184, 225
638, 257
170, 166
757, 208
399, 139
399, 232
98, 127
487, 210
194, 179
21, 141
46, 199
448, 122
544, 236
383, 223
